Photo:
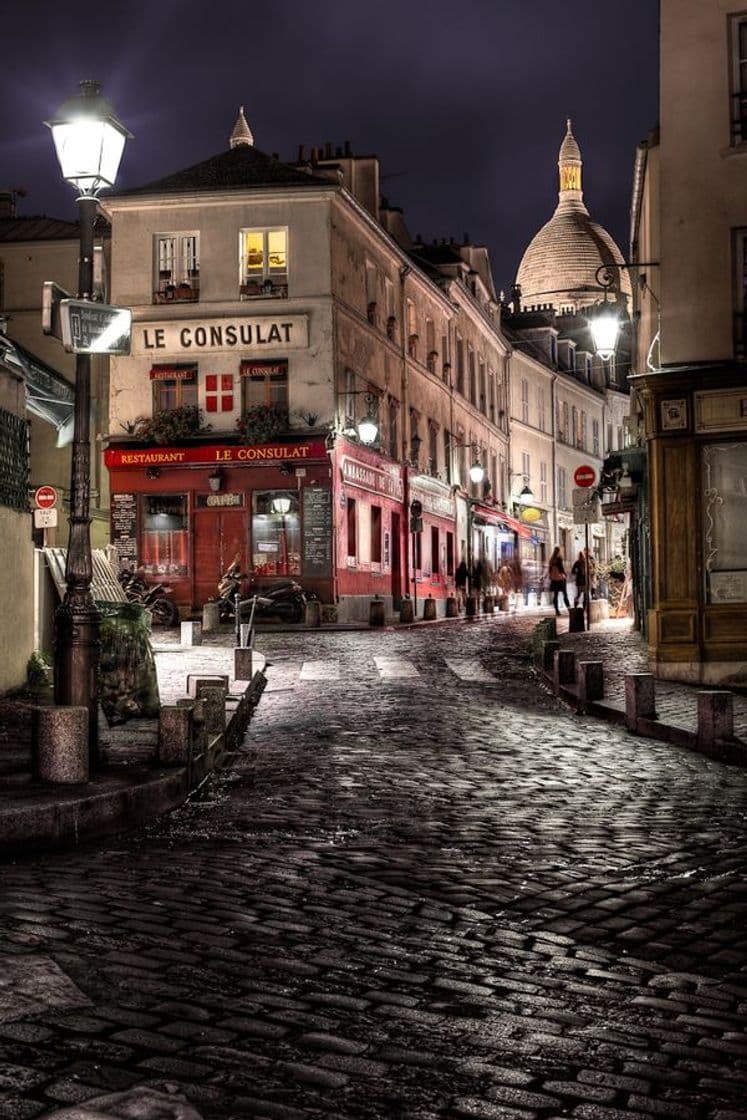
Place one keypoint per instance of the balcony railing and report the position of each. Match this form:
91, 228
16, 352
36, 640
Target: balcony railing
178, 293
264, 289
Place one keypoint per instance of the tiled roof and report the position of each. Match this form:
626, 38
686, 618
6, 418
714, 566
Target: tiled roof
37, 229
242, 166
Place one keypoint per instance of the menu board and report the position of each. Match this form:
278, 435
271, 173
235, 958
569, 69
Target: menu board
317, 531
124, 528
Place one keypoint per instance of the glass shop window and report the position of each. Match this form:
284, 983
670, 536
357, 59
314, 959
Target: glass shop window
352, 530
449, 554
164, 544
276, 533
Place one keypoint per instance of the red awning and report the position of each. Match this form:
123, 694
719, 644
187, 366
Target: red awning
494, 517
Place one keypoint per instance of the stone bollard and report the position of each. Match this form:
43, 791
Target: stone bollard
639, 698
471, 607
429, 609
547, 655
406, 612
198, 723
590, 681
197, 681
210, 617
243, 669
376, 615
452, 607
503, 604
213, 698
60, 744
191, 634
313, 616
488, 604
576, 620
715, 717
175, 735
544, 631
563, 669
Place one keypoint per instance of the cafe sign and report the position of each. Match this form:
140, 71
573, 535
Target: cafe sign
260, 455
191, 337
371, 478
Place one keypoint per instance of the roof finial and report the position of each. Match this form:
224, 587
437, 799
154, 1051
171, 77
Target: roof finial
242, 134
569, 166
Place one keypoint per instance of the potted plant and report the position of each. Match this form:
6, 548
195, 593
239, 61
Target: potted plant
171, 425
261, 423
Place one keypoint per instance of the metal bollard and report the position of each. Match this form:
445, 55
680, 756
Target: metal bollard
376, 615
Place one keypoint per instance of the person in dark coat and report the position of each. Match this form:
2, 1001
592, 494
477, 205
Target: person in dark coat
578, 572
558, 579
460, 579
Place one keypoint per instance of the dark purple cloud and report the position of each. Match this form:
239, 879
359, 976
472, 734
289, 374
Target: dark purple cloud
464, 103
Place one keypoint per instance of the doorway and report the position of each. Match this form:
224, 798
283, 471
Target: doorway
396, 551
220, 536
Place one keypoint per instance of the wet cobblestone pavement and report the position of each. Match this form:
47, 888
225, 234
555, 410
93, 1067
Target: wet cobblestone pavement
424, 889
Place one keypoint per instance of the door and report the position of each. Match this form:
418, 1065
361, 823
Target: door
220, 536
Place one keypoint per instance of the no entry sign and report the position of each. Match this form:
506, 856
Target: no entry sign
584, 476
45, 497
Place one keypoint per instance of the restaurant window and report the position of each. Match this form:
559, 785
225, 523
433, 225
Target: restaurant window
164, 538
177, 265
174, 386
264, 263
219, 392
265, 383
376, 535
449, 553
352, 529
276, 533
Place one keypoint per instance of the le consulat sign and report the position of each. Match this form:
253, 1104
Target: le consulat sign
188, 337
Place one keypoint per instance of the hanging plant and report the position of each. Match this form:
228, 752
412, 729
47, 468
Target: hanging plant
170, 426
262, 423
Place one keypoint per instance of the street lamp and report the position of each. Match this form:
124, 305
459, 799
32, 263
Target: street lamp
89, 141
604, 321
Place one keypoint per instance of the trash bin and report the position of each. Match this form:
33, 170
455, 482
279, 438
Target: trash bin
376, 612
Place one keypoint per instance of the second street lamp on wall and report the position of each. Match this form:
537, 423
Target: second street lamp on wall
476, 472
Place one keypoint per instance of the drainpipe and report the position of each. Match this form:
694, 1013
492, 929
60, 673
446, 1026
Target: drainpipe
409, 544
554, 490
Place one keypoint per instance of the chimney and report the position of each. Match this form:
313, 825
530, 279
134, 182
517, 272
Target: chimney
348, 149
516, 298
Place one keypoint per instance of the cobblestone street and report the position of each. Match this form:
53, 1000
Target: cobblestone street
423, 889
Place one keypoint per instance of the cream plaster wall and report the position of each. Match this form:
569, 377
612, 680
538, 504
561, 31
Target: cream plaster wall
703, 180
219, 220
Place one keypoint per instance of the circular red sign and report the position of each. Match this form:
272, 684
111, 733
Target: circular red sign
45, 497
584, 476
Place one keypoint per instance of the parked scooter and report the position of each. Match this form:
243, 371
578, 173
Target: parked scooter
285, 601
152, 596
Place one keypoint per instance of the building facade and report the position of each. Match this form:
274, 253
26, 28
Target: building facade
276, 307
690, 355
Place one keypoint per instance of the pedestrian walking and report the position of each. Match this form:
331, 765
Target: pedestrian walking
476, 580
460, 578
558, 579
578, 572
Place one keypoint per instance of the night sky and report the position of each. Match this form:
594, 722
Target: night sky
464, 101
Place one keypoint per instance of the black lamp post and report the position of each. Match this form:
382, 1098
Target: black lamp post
89, 140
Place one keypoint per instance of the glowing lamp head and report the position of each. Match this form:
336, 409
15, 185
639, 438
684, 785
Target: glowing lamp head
89, 140
526, 497
476, 473
281, 504
605, 327
368, 430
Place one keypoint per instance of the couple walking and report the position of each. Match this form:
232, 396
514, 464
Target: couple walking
559, 579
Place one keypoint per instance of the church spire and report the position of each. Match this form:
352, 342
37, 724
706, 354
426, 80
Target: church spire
242, 134
569, 167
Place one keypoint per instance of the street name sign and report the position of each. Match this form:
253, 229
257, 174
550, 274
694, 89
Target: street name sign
45, 497
584, 475
586, 507
95, 328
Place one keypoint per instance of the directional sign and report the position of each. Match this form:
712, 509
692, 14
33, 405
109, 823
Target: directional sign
45, 497
95, 328
587, 508
584, 476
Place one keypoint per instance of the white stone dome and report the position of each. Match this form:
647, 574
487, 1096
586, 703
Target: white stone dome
560, 265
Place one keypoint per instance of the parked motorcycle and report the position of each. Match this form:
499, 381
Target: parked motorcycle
285, 601
152, 596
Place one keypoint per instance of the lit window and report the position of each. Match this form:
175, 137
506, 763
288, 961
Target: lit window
264, 263
164, 538
276, 533
177, 264
219, 392
174, 386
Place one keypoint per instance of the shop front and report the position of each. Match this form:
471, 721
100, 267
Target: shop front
182, 515
368, 523
498, 541
432, 554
